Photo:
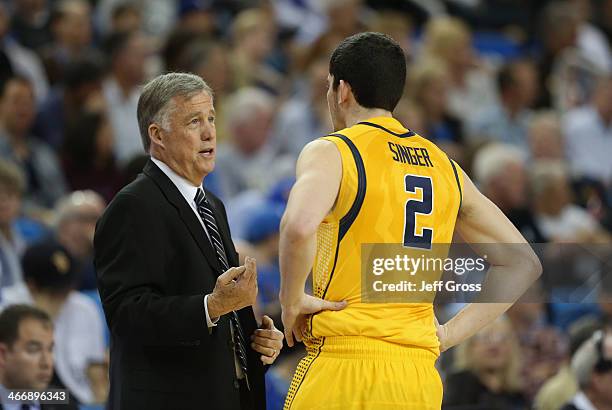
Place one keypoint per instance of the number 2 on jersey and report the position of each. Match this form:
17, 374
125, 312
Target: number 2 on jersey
416, 207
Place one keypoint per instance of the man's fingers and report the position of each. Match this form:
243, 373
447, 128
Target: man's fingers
267, 360
231, 274
327, 305
289, 336
266, 351
267, 322
273, 334
251, 267
274, 343
298, 334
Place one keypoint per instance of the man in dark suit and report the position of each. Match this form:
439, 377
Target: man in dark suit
183, 334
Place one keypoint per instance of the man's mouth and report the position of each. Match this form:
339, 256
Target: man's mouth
207, 152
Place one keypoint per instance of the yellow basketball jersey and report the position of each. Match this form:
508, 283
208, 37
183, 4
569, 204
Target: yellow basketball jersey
397, 188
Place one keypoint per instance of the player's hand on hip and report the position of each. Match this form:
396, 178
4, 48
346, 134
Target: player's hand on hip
235, 288
441, 332
294, 319
267, 340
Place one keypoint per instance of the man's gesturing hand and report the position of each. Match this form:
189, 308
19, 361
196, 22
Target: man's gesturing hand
293, 316
235, 289
267, 340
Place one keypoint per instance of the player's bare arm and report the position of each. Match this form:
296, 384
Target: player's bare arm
513, 268
319, 172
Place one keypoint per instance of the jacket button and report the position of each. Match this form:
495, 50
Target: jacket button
236, 384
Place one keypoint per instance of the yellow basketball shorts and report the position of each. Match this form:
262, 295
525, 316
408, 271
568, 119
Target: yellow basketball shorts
364, 373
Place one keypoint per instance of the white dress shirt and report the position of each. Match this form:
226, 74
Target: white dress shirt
188, 190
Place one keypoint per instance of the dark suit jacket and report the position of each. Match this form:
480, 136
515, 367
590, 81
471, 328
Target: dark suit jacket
154, 265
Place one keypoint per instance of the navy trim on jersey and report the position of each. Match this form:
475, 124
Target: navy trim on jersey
407, 134
347, 220
457, 179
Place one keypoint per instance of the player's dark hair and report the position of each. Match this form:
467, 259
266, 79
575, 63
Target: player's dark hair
375, 67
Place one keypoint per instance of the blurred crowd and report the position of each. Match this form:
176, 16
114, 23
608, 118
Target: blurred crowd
518, 92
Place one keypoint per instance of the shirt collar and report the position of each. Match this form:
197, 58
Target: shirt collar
389, 123
582, 402
186, 188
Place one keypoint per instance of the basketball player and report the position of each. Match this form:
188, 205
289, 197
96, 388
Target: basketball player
374, 181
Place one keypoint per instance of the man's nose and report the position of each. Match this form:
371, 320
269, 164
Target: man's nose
46, 361
207, 132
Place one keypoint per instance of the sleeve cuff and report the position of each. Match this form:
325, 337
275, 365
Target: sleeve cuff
210, 323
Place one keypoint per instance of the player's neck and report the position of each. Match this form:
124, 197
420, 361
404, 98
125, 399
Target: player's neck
359, 114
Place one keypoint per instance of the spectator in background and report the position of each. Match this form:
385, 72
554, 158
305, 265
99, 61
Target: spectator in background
126, 16
26, 356
545, 137
82, 89
488, 366
305, 116
427, 86
197, 16
45, 181
72, 32
209, 60
340, 19
249, 114
592, 365
127, 53
17, 60
12, 244
80, 356
558, 33
263, 233
398, 26
508, 120
560, 388
471, 86
88, 157
556, 216
253, 34
588, 136
499, 170
30, 23
590, 39
542, 346
75, 224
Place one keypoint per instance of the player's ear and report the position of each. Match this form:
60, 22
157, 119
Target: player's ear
344, 91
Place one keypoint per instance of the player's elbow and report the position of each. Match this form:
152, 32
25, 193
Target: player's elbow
532, 265
296, 228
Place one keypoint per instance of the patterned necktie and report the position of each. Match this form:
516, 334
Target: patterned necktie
208, 217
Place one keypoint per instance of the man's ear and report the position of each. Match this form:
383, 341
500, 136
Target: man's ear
344, 92
156, 135
3, 352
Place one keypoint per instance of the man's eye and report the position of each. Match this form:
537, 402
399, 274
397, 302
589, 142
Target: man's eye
211, 119
195, 121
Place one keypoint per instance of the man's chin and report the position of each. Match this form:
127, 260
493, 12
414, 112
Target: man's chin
41, 384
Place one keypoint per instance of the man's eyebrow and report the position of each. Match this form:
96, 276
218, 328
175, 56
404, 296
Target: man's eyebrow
191, 114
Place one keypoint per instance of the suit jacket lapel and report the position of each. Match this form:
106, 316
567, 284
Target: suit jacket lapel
186, 213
